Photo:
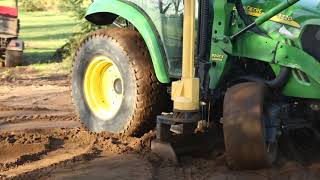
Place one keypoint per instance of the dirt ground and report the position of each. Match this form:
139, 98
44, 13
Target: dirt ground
41, 138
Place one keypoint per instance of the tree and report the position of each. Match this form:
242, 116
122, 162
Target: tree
165, 6
176, 4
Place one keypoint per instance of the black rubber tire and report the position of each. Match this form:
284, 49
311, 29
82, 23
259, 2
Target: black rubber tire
142, 91
244, 129
13, 58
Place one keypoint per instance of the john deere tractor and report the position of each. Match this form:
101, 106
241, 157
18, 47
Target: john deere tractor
248, 67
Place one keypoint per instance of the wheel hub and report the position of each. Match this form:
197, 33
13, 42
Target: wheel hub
117, 86
103, 87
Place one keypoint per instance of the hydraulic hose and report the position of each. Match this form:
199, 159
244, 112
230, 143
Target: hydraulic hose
278, 83
246, 19
284, 75
204, 37
281, 80
204, 13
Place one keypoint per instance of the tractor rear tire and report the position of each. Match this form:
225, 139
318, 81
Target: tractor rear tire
13, 58
135, 97
244, 129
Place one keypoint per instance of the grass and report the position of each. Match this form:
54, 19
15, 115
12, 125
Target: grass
7, 3
44, 33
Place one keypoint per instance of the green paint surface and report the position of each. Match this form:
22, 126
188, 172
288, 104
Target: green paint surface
160, 23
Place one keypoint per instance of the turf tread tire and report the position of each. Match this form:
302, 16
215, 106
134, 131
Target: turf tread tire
149, 91
244, 128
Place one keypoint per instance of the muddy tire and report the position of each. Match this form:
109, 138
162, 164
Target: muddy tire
13, 58
140, 90
244, 129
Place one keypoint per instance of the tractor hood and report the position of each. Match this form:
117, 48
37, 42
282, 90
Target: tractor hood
304, 12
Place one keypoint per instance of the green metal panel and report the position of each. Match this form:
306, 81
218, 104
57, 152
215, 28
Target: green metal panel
274, 52
274, 11
167, 19
218, 46
304, 13
141, 22
282, 49
301, 14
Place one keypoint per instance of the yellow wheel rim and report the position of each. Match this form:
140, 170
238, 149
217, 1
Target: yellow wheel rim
103, 87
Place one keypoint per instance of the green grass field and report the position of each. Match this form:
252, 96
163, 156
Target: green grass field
6, 3
44, 33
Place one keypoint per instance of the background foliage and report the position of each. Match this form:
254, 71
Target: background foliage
40, 5
53, 29
78, 9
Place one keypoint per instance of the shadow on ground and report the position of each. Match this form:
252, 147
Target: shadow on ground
50, 56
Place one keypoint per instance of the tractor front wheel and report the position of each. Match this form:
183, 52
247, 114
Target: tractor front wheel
114, 87
244, 127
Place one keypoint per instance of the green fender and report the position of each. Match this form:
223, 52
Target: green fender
105, 11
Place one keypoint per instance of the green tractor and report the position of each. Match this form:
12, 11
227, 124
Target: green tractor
249, 67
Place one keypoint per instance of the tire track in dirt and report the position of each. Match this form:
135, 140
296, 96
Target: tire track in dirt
36, 107
17, 154
28, 118
130, 158
25, 76
73, 147
8, 108
39, 125
56, 157
50, 147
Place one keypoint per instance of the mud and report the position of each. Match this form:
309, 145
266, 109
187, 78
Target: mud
41, 138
